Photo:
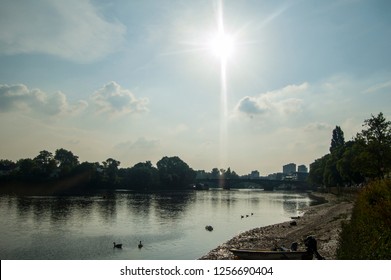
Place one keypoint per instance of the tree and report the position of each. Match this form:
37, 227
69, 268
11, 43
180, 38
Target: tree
111, 169
376, 137
215, 173
349, 166
66, 160
27, 168
324, 171
317, 171
337, 140
6, 165
331, 176
45, 163
175, 173
142, 176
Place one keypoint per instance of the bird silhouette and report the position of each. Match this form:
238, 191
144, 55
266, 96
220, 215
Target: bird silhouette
209, 228
140, 245
119, 246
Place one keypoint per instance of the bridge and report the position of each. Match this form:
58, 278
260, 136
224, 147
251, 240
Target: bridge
260, 183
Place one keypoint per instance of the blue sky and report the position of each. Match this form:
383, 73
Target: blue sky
136, 80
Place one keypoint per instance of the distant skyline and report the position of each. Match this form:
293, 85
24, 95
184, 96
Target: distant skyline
139, 80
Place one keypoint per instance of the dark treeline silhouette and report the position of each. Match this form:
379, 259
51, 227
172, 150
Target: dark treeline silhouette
62, 173
367, 156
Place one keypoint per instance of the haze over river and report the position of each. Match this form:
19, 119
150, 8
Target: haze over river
170, 225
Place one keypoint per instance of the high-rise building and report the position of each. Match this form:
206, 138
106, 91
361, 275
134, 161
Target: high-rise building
289, 168
302, 169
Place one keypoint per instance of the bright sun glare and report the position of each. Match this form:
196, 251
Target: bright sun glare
222, 45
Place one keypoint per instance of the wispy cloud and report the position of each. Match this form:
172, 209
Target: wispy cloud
73, 30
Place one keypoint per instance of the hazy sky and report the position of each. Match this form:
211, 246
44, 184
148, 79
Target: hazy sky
136, 80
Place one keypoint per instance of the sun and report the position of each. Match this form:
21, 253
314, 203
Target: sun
222, 45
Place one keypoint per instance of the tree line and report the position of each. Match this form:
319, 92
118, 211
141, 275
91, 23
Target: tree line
367, 156
64, 170
64, 166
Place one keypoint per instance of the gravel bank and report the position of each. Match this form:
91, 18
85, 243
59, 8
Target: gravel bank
322, 221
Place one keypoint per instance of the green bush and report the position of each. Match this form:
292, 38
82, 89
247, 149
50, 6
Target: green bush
368, 234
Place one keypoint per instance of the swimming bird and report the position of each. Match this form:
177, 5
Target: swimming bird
241, 216
246, 216
209, 228
140, 245
119, 246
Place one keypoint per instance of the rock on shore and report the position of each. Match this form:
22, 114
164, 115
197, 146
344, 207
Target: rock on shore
322, 221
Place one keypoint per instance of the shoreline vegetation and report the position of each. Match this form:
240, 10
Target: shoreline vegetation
323, 221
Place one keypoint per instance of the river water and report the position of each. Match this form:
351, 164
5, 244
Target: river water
170, 225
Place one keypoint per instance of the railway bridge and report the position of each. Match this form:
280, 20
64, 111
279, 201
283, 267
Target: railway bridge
260, 183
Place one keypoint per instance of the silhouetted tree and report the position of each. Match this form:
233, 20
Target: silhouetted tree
27, 168
142, 176
7, 165
175, 173
111, 169
377, 141
337, 140
215, 173
349, 166
66, 160
317, 170
45, 163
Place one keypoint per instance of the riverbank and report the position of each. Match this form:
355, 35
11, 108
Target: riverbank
323, 221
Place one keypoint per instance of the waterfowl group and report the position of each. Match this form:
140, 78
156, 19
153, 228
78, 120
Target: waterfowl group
119, 246
242, 216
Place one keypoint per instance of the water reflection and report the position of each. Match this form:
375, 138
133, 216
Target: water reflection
107, 209
292, 204
171, 225
139, 204
171, 205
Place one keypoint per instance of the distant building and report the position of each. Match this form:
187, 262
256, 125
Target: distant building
254, 174
289, 169
302, 169
302, 173
275, 176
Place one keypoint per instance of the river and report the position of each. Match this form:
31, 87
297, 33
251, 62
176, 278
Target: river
170, 225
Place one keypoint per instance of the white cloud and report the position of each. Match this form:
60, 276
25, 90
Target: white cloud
111, 99
285, 101
115, 100
20, 97
71, 29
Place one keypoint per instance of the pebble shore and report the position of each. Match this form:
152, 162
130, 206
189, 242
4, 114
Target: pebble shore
323, 221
